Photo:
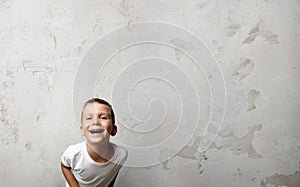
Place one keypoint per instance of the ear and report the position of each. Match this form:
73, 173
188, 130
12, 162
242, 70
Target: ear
114, 130
81, 130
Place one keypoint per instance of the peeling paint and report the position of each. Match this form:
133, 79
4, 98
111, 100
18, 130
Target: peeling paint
277, 180
244, 144
245, 68
188, 152
251, 98
36, 69
45, 73
259, 30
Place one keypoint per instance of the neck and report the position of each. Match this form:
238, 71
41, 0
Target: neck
100, 153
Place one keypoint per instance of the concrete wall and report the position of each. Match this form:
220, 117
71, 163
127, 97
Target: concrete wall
249, 52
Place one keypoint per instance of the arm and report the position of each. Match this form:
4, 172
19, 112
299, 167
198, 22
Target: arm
113, 181
69, 176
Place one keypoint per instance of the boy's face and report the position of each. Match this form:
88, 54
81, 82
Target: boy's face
96, 123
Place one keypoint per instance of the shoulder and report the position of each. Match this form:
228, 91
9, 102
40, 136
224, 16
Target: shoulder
120, 152
73, 151
75, 148
72, 154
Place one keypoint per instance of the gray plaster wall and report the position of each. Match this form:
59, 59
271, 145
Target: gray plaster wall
255, 43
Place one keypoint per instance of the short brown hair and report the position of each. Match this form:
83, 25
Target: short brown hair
100, 101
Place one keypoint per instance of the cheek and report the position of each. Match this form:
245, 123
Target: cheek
109, 127
84, 128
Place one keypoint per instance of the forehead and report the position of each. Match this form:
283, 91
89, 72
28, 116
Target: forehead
96, 108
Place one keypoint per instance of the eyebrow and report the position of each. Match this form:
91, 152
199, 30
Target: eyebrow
102, 113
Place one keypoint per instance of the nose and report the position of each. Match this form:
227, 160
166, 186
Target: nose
96, 121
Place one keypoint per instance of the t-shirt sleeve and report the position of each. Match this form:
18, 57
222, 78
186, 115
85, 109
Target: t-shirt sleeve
123, 153
66, 158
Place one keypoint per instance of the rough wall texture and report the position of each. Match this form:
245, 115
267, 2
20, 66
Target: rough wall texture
256, 44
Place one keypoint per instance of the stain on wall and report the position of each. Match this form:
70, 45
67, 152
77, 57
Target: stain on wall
259, 31
244, 144
252, 95
277, 180
245, 68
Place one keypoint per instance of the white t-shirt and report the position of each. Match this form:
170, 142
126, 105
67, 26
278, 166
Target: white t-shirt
88, 172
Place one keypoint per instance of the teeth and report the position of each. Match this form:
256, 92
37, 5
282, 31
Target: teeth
96, 131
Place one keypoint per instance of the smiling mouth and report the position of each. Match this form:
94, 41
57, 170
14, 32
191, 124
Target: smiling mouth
98, 131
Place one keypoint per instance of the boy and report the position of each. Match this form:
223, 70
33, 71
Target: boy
96, 161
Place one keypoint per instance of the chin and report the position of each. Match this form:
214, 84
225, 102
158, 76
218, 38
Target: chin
97, 141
